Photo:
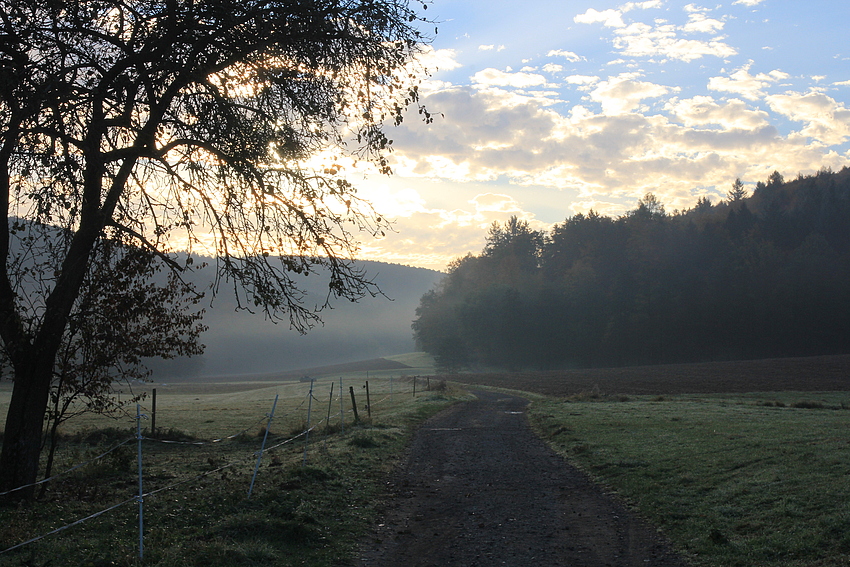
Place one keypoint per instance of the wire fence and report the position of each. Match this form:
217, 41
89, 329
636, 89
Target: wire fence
255, 457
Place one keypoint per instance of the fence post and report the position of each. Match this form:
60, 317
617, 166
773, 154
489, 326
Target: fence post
307, 432
330, 403
368, 402
341, 412
353, 404
414, 386
263, 446
141, 489
153, 413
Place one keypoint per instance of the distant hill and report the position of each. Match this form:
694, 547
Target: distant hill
240, 343
407, 364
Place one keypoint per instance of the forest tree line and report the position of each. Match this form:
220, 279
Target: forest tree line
753, 276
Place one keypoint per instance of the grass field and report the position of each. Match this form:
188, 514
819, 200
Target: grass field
739, 464
736, 480
298, 514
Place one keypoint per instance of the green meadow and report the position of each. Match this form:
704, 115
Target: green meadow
314, 497
757, 479
737, 480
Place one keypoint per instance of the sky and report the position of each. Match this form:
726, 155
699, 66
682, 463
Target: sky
544, 110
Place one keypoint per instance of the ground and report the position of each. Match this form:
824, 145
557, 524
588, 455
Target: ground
479, 489
812, 374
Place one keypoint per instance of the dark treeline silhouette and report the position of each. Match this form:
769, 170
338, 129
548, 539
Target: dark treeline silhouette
751, 277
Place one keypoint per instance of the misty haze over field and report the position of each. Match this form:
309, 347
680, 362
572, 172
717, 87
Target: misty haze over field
239, 342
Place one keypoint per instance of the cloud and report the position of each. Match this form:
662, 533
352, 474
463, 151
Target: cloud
748, 2
609, 18
494, 77
825, 119
700, 23
569, 55
601, 162
615, 154
638, 39
495, 203
605, 139
742, 83
614, 18
701, 111
491, 48
623, 94
584, 81
642, 40
432, 237
629, 6
437, 59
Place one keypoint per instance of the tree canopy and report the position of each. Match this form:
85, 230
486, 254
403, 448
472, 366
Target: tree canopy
753, 277
220, 125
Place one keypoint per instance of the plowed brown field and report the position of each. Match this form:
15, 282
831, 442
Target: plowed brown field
824, 373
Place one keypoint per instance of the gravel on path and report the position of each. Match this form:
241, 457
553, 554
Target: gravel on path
480, 488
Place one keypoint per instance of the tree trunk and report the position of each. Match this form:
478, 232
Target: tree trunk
33, 361
24, 421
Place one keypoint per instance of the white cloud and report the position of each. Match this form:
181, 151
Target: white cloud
701, 111
432, 237
748, 2
608, 155
491, 48
569, 55
494, 77
825, 119
605, 139
642, 5
610, 18
438, 59
642, 40
623, 94
582, 79
495, 203
700, 23
639, 39
742, 83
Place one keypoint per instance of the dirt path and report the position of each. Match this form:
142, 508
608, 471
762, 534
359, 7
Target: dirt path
481, 489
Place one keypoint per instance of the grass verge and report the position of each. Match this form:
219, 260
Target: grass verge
739, 480
313, 514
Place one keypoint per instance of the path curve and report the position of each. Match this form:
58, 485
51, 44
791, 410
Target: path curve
481, 489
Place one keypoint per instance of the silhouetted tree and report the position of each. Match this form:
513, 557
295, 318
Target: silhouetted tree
167, 120
737, 193
123, 315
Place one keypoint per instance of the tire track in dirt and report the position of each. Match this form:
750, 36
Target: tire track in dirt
479, 489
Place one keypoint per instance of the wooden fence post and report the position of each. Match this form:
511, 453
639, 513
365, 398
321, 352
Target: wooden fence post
353, 403
330, 403
153, 413
368, 401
